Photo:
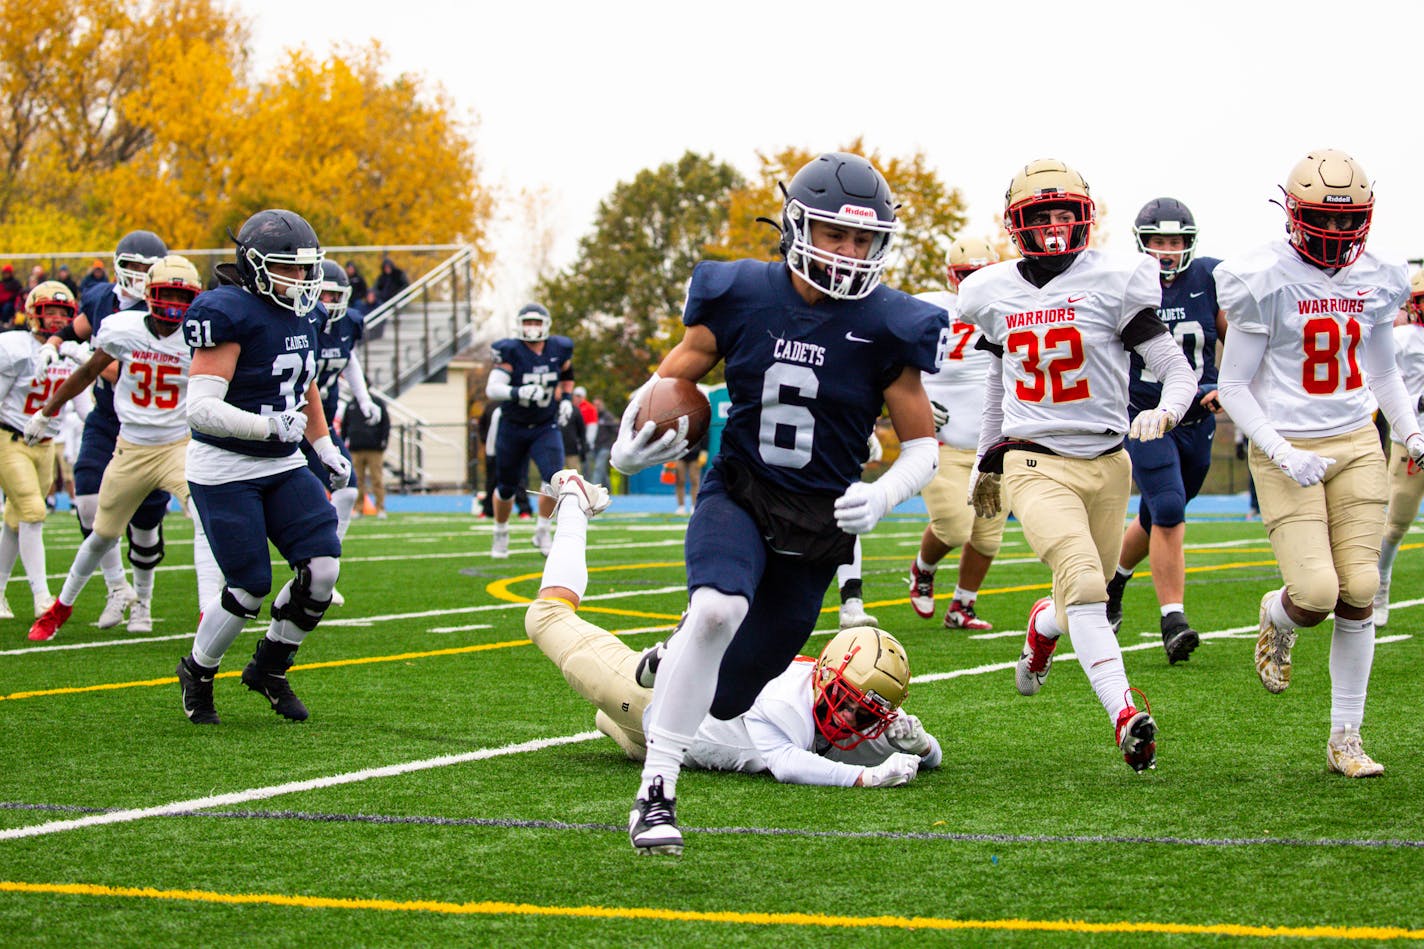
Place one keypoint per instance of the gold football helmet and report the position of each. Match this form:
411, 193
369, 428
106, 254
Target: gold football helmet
169, 287
1415, 306
968, 254
1329, 205
1048, 185
49, 308
861, 678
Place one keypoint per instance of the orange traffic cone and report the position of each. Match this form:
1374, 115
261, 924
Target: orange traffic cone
367, 508
669, 474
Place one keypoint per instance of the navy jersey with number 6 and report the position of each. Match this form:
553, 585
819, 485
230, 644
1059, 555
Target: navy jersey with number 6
1189, 309
274, 369
541, 368
807, 382
333, 352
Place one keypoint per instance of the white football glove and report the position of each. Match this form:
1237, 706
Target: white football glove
338, 469
566, 411
1414, 444
287, 426
1305, 467
1151, 424
908, 735
877, 451
894, 771
940, 413
77, 351
984, 495
371, 412
633, 451
37, 428
46, 357
528, 393
861, 508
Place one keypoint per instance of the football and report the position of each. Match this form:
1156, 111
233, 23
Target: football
669, 400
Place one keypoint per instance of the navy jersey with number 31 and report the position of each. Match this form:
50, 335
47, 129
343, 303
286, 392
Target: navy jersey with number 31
276, 365
807, 382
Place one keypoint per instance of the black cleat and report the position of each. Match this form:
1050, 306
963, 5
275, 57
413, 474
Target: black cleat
196, 684
266, 675
1178, 638
1116, 586
647, 672
652, 824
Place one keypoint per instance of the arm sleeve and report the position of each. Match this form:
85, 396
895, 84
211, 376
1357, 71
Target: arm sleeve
1240, 359
1164, 357
209, 413
1382, 374
498, 386
919, 458
356, 379
786, 758
991, 423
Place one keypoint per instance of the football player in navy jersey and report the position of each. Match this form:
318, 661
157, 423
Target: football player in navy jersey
812, 348
533, 376
136, 252
252, 396
1169, 471
336, 360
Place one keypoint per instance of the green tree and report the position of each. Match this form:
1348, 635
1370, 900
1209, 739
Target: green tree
621, 299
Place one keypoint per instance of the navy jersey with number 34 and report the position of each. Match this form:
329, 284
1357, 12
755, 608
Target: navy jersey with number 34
275, 367
1189, 309
807, 382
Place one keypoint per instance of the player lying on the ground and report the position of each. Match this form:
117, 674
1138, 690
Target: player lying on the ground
830, 721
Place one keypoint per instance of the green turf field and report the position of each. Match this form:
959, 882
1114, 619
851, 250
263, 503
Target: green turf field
449, 786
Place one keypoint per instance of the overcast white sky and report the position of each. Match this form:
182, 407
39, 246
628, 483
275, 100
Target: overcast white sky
1211, 102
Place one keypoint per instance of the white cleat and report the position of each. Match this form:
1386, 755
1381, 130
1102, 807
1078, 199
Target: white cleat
1273, 649
1344, 755
5, 611
542, 540
336, 598
120, 599
853, 614
1382, 604
499, 550
1037, 657
43, 602
141, 617
592, 498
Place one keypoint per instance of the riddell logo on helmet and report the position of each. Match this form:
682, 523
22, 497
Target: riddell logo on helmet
1338, 199
856, 211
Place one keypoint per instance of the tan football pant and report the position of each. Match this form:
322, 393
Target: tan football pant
1327, 537
951, 515
1405, 492
597, 664
132, 474
26, 472
1072, 511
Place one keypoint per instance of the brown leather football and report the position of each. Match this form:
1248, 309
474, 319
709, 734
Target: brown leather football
669, 400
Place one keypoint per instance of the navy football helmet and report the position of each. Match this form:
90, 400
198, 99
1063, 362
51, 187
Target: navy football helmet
137, 251
534, 322
335, 290
277, 236
1167, 217
847, 191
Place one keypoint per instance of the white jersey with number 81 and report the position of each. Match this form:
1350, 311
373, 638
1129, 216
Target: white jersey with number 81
151, 396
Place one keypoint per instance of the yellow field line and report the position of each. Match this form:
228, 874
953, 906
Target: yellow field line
494, 908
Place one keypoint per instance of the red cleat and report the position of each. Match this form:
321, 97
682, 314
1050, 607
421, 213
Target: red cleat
49, 622
1136, 735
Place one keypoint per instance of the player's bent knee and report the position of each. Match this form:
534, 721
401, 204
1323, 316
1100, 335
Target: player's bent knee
1358, 585
1080, 587
714, 613
310, 595
1168, 510
240, 602
145, 547
1317, 594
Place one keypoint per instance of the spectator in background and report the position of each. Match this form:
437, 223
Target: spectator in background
37, 277
588, 416
10, 295
687, 476
603, 442
63, 276
367, 441
391, 281
96, 274
358, 282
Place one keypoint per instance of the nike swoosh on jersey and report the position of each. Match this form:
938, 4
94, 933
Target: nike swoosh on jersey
1080, 297
856, 339
1197, 294
1365, 292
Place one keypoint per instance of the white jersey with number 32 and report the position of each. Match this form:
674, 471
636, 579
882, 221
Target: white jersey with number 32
959, 384
151, 396
1065, 369
1310, 383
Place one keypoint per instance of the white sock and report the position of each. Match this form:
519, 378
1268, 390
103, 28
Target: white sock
143, 583
541, 525
567, 565
1047, 624
1099, 654
1352, 653
112, 566
90, 554
687, 682
210, 577
923, 567
1169, 608
1388, 549
967, 597
32, 555
219, 628
849, 571
1276, 613
344, 500
1123, 572
9, 551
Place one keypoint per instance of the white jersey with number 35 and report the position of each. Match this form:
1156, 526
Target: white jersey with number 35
150, 397
1310, 383
959, 384
1065, 369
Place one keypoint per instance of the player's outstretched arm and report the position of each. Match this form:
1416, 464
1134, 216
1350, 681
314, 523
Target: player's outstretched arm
1383, 377
77, 381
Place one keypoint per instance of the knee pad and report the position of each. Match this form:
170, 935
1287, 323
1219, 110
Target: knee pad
714, 613
1080, 587
302, 609
239, 602
85, 507
1359, 583
1318, 593
1167, 509
145, 556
